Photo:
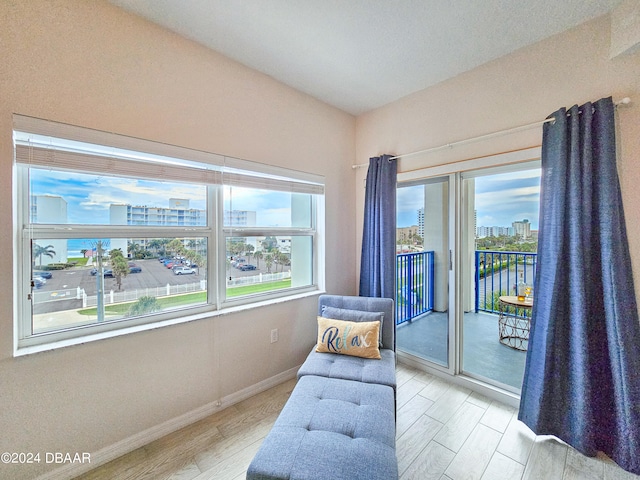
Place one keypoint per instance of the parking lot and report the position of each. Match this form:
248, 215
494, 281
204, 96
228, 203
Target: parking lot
61, 290
153, 274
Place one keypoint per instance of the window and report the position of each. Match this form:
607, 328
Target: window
114, 232
268, 238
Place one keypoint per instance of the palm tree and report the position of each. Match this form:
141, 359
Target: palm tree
258, 255
248, 249
119, 266
284, 260
38, 251
268, 260
135, 250
156, 244
176, 246
281, 259
144, 305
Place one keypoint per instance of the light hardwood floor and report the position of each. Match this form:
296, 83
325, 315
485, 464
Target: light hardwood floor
444, 432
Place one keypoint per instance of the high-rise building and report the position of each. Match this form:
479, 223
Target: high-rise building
495, 231
421, 222
178, 213
522, 229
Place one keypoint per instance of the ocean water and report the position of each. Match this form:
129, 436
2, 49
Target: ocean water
76, 245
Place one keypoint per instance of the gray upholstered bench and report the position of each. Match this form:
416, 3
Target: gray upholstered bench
340, 419
330, 365
331, 428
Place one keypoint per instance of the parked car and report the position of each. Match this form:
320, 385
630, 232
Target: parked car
248, 266
38, 282
183, 271
105, 273
134, 268
45, 275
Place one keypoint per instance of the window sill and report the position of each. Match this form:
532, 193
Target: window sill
29, 350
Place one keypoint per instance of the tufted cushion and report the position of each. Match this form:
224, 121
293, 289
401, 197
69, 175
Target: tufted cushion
330, 365
331, 428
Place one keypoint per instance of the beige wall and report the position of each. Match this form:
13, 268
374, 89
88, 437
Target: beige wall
518, 89
93, 65
90, 64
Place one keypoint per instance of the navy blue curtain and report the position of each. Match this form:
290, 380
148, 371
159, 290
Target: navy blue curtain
378, 261
582, 373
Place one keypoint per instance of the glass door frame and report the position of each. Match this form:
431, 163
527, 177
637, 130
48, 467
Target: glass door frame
452, 191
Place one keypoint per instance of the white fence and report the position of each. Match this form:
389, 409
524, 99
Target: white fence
132, 295
162, 291
260, 278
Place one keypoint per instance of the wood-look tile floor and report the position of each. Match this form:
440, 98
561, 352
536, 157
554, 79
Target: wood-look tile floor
444, 432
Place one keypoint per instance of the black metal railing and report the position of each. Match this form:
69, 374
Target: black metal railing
497, 273
414, 285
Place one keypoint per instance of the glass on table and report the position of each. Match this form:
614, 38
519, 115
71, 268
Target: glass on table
528, 293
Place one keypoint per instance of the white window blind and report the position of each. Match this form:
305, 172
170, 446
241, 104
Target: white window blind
53, 145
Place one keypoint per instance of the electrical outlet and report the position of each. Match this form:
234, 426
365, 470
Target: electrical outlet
274, 335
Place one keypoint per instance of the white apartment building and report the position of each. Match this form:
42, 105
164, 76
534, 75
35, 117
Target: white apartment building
522, 229
495, 231
50, 209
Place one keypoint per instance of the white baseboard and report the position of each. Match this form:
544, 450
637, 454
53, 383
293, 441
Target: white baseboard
141, 439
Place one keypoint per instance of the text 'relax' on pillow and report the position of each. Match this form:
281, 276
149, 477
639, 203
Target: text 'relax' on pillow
358, 339
354, 316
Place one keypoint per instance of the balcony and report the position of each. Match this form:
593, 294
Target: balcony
423, 329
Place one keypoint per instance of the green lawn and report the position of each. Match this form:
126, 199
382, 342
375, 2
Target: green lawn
257, 288
191, 298
79, 261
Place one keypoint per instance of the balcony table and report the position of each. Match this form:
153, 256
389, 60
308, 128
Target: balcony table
513, 328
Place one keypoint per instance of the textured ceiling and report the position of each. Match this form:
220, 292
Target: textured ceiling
361, 54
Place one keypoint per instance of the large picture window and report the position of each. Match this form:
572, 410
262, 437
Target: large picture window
118, 232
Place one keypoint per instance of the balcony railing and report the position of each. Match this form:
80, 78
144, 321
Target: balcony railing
497, 273
414, 285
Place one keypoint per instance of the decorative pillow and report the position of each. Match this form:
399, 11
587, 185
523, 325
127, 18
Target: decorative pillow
358, 339
354, 316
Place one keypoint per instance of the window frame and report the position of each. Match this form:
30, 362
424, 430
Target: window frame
257, 175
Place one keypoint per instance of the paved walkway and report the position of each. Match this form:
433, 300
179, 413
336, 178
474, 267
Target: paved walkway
66, 318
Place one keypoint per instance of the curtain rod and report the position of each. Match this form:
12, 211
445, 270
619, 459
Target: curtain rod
624, 101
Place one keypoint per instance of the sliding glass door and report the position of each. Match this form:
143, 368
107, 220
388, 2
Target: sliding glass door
464, 243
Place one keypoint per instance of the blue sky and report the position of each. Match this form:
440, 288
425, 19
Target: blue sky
89, 197
499, 200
